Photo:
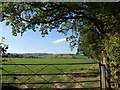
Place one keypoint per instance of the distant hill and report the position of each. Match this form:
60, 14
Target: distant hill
45, 55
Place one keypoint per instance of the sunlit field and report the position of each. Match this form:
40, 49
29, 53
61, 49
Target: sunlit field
50, 69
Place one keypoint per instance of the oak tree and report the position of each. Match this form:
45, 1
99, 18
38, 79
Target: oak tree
95, 27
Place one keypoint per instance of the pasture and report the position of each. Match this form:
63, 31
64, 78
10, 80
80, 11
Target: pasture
52, 72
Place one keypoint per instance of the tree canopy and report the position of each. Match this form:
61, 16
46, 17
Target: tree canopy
95, 27
3, 46
88, 22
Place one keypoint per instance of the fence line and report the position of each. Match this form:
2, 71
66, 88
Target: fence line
52, 64
61, 72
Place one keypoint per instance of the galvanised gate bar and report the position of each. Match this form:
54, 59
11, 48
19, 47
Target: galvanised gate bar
57, 76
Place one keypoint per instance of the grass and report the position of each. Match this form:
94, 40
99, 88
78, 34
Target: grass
52, 69
44, 61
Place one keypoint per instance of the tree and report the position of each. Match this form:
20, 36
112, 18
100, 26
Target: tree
93, 25
3, 46
23, 16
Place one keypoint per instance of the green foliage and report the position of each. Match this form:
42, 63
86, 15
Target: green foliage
94, 27
90, 42
3, 46
112, 47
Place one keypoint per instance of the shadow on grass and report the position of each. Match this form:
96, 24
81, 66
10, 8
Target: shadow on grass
10, 87
88, 74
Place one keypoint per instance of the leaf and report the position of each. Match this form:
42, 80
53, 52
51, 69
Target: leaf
7, 23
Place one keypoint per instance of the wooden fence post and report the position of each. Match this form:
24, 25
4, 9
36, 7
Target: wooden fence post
102, 74
100, 69
0, 69
106, 74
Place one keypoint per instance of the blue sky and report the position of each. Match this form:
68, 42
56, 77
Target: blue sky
33, 42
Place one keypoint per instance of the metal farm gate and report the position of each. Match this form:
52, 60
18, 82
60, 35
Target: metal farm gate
57, 76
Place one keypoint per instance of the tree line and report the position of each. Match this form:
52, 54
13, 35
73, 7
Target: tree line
94, 27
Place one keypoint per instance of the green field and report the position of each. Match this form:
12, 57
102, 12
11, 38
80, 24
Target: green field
46, 67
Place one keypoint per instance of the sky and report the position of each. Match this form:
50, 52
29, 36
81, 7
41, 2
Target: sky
33, 42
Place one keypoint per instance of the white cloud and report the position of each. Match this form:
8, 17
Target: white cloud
59, 40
